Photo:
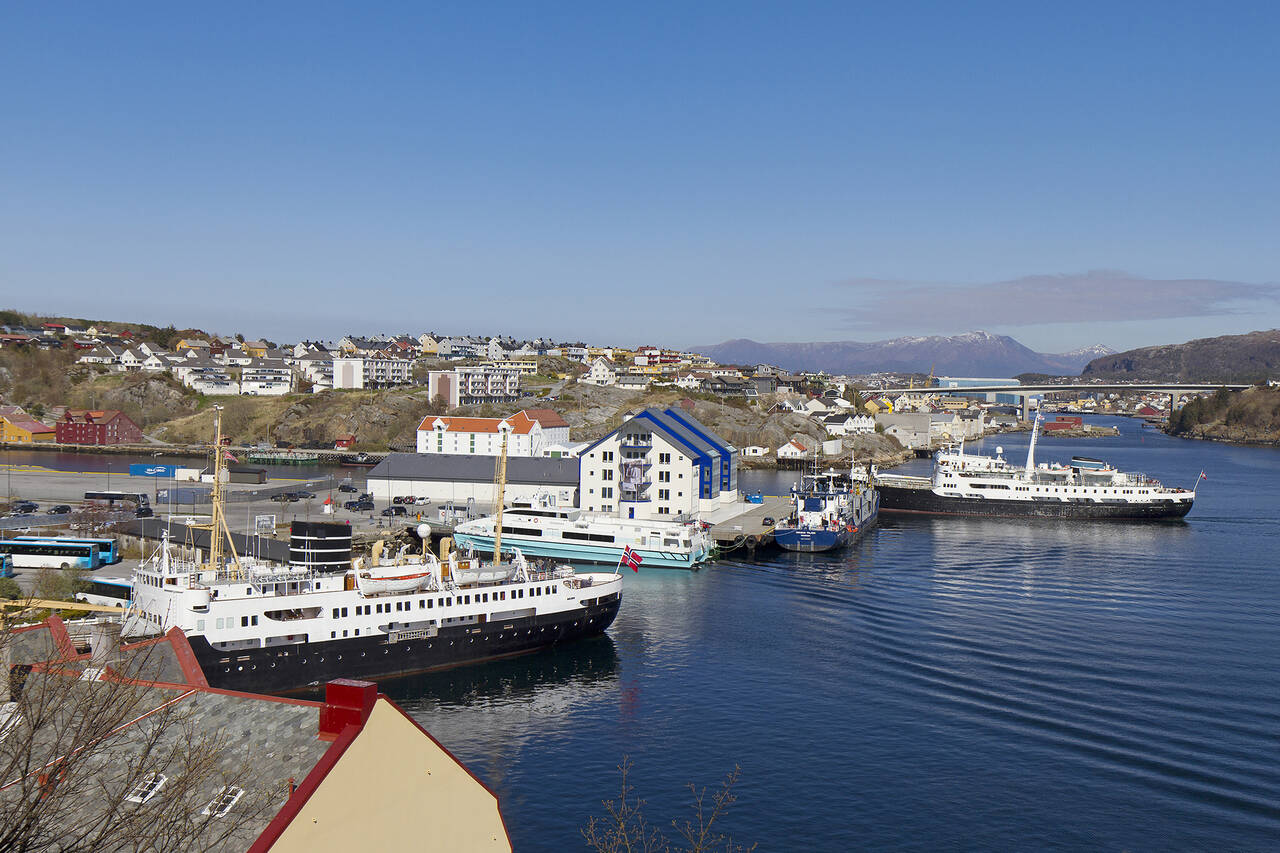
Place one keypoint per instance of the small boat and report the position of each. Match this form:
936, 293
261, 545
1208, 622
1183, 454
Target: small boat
394, 575
357, 460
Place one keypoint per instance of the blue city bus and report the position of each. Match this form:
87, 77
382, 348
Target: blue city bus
108, 554
51, 553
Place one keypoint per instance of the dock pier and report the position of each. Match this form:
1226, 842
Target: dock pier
747, 529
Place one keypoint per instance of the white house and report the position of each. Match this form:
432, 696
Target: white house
529, 433
844, 423
601, 373
658, 464
793, 450
754, 450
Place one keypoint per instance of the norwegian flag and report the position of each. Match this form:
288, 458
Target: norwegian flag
631, 558
228, 456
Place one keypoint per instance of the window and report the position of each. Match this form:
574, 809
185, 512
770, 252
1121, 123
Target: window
606, 492
664, 494
344, 611
223, 802
606, 474
244, 621
664, 458
606, 456
146, 788
664, 476
253, 620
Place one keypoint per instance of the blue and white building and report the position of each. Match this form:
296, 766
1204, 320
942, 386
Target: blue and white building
659, 464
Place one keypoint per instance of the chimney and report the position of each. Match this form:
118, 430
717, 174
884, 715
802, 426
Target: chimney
347, 702
104, 642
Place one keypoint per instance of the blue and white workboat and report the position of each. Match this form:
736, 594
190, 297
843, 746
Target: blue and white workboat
567, 533
826, 514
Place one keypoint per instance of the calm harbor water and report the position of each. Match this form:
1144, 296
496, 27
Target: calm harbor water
948, 684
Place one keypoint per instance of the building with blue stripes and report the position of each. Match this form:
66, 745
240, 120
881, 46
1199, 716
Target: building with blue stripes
660, 463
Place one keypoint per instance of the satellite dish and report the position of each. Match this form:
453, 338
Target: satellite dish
424, 531
999, 450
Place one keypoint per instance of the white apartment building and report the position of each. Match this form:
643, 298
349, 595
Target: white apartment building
365, 372
529, 433
658, 464
472, 386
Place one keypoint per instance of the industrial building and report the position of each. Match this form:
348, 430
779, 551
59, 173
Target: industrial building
445, 478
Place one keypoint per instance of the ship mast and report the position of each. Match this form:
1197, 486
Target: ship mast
1031, 448
500, 492
218, 521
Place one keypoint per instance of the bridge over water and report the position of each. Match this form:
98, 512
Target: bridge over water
1173, 389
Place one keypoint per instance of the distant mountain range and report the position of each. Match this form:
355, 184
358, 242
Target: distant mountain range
971, 354
1251, 357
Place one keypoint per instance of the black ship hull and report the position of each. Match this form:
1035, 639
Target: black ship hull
925, 501
283, 669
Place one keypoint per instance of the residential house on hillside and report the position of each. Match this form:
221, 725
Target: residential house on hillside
793, 449
602, 372
846, 423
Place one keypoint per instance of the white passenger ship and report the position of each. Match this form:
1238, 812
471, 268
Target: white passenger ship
539, 528
1085, 488
266, 627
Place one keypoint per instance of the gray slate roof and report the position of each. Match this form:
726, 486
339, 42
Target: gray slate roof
464, 468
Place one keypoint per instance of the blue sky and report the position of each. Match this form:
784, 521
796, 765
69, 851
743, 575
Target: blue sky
671, 173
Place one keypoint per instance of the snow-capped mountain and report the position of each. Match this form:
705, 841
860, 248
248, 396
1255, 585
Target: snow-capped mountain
976, 353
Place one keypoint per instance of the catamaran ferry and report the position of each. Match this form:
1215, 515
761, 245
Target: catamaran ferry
266, 627
564, 533
1085, 488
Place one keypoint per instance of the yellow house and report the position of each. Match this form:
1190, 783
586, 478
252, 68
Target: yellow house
257, 349
875, 407
17, 427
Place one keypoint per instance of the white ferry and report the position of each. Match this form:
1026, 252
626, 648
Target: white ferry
266, 627
541, 529
970, 484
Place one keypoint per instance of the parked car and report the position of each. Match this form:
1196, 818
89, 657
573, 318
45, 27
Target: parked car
769, 521
395, 510
304, 494
358, 506
422, 501
283, 498
60, 509
346, 487
24, 507
143, 512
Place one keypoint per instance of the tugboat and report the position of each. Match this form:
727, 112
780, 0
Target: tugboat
1085, 488
827, 515
267, 627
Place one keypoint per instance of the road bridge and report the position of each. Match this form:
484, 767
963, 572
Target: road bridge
1173, 389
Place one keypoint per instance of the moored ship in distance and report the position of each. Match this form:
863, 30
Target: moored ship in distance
267, 627
541, 529
1085, 488
826, 514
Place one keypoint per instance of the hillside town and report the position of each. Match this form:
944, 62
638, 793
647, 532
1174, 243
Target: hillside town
462, 374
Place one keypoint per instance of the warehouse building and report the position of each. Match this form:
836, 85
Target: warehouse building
445, 478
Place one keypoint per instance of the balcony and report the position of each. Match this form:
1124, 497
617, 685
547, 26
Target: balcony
642, 445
